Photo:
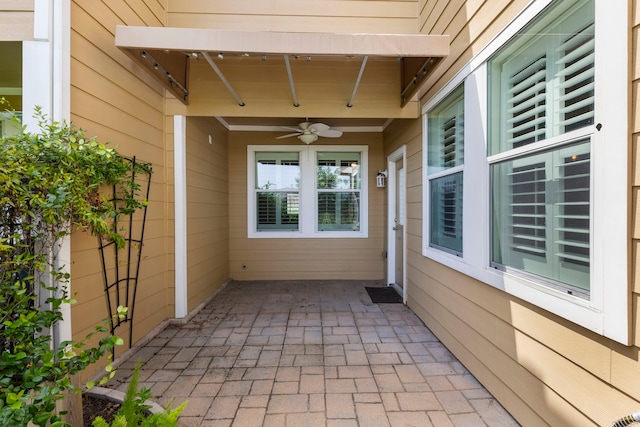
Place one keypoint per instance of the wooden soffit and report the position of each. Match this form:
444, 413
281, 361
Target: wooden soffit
168, 54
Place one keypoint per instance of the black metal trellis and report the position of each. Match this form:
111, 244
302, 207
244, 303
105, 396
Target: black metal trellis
121, 273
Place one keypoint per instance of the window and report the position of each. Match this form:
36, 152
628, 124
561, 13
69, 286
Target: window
542, 85
546, 184
541, 215
445, 143
277, 190
314, 191
338, 182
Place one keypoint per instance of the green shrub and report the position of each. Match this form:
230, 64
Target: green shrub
50, 183
133, 412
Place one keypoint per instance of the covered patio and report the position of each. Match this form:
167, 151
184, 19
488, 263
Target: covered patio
308, 353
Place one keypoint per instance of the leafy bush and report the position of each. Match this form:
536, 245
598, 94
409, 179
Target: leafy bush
133, 412
50, 183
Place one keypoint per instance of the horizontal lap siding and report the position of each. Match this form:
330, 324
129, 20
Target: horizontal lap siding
273, 259
471, 26
114, 100
16, 20
207, 208
543, 369
372, 16
323, 87
625, 366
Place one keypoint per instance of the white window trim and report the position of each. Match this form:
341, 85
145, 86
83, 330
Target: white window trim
607, 310
307, 227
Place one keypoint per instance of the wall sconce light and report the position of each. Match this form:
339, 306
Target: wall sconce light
380, 178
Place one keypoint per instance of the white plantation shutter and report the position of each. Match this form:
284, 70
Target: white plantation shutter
526, 104
543, 205
452, 147
451, 208
572, 222
267, 208
446, 212
528, 204
575, 73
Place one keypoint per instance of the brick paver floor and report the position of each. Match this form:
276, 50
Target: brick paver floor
309, 353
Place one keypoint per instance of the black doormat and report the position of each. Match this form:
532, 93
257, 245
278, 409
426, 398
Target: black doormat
383, 295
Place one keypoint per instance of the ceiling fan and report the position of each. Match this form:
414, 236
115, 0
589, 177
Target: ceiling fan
308, 132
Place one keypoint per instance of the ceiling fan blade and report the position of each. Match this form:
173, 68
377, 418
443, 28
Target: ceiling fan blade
318, 127
291, 128
288, 136
330, 133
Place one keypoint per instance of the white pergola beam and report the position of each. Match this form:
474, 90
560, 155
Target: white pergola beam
282, 43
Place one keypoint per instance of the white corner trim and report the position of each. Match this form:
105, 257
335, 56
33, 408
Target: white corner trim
46, 83
180, 201
61, 60
61, 260
42, 19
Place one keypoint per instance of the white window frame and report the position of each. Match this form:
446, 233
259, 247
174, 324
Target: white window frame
307, 220
606, 312
442, 173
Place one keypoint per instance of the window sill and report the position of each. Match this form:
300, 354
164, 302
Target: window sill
301, 235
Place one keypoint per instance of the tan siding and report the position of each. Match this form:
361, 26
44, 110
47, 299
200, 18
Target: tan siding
323, 87
367, 16
16, 20
112, 99
303, 258
471, 25
543, 369
16, 5
150, 12
625, 365
207, 208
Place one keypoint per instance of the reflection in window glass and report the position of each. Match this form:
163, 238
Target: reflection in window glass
277, 171
445, 159
446, 133
338, 183
277, 174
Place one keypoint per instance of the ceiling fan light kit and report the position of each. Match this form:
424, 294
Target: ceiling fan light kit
308, 132
308, 138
